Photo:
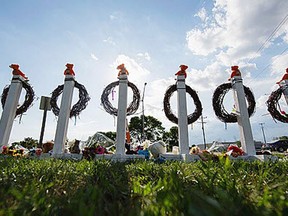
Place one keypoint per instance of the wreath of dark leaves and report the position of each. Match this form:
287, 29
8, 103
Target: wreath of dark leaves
133, 106
272, 105
29, 97
76, 108
220, 111
167, 107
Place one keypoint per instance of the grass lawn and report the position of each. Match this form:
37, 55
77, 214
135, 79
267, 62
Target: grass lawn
66, 187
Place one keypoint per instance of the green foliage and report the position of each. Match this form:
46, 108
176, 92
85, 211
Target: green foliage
238, 143
171, 137
280, 138
283, 138
153, 129
110, 134
28, 143
65, 187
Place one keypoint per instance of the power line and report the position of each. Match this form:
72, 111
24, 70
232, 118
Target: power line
283, 21
274, 60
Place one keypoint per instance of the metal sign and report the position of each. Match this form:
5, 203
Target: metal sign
45, 103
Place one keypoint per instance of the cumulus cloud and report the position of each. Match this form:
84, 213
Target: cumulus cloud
204, 42
239, 27
231, 34
136, 71
207, 78
202, 14
279, 64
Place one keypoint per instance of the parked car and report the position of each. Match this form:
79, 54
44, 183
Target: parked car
278, 145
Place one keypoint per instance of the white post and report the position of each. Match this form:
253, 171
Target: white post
182, 120
121, 115
182, 115
10, 108
65, 108
246, 137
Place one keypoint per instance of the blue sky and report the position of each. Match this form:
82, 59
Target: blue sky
152, 38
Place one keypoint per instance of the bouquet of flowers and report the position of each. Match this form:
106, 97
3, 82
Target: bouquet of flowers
15, 152
90, 152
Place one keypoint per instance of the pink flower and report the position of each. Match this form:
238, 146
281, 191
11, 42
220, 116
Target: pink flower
38, 151
4, 149
100, 150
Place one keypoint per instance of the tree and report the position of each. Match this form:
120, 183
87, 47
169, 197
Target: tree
153, 129
238, 143
110, 134
283, 138
171, 138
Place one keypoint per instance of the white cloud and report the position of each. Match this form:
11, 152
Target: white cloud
285, 38
206, 41
239, 26
233, 33
208, 78
136, 71
116, 16
112, 17
145, 56
202, 14
109, 40
261, 102
279, 65
154, 99
93, 56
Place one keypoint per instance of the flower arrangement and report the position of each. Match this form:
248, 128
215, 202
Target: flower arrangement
100, 150
19, 151
90, 152
12, 151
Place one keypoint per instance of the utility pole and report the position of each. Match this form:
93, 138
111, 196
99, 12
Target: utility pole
262, 128
203, 130
142, 134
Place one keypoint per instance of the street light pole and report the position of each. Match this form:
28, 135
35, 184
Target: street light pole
262, 128
142, 134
